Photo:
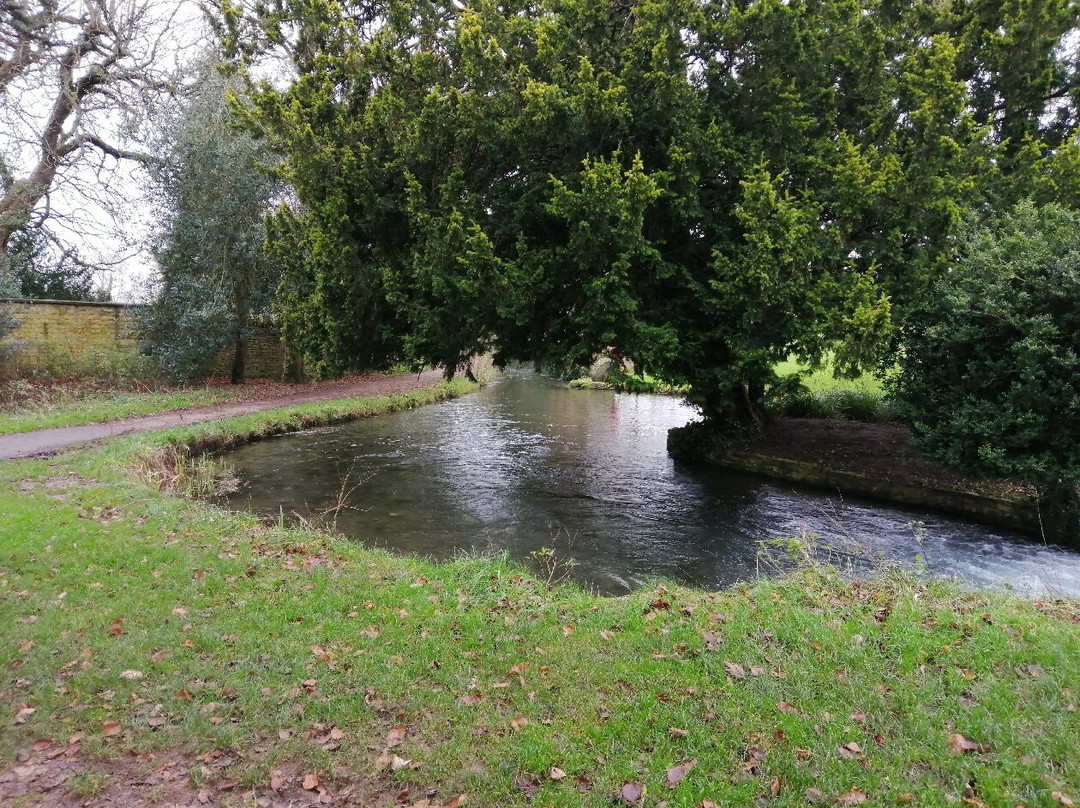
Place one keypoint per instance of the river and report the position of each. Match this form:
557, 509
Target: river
527, 464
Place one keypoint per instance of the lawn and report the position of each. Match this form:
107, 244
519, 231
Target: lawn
176, 652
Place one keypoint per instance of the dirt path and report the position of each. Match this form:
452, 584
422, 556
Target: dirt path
49, 441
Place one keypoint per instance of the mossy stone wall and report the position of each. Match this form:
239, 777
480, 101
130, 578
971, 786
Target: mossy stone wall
50, 330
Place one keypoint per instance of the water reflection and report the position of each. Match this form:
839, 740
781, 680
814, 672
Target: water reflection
527, 464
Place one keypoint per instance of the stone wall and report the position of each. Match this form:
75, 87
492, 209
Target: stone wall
51, 332
265, 358
48, 326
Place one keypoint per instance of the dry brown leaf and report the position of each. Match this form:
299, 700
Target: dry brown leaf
631, 793
110, 728
1062, 798
556, 773
471, 699
675, 732
777, 784
336, 734
854, 797
734, 669
519, 722
814, 795
395, 736
676, 774
42, 744
311, 782
850, 751
117, 628
958, 744
712, 640
399, 763
277, 780
23, 713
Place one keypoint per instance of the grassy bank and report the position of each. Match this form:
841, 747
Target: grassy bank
58, 410
199, 656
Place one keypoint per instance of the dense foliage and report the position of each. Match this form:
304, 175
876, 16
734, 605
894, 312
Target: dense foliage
708, 187
215, 278
991, 365
38, 274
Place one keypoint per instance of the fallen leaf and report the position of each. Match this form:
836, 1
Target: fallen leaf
789, 708
631, 793
1062, 798
712, 640
734, 669
23, 713
519, 722
676, 773
757, 670
131, 674
336, 734
556, 773
675, 732
311, 782
110, 728
813, 795
958, 744
567, 630
850, 751
117, 627
42, 745
471, 699
606, 635
395, 736
854, 797
777, 784
399, 763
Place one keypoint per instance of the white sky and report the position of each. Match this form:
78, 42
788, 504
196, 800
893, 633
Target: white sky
98, 204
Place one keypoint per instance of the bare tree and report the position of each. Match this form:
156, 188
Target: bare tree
75, 78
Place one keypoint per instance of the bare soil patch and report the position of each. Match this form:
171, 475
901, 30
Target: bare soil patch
60, 775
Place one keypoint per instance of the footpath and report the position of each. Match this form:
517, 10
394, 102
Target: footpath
45, 442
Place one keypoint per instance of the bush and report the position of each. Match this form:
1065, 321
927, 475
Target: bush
990, 371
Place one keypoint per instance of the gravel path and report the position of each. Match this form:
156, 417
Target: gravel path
48, 441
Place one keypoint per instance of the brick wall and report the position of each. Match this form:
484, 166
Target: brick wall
51, 327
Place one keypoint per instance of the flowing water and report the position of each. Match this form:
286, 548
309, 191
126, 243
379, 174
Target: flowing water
527, 464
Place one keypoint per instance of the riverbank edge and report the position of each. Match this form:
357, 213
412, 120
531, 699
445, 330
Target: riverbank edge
1021, 515
251, 621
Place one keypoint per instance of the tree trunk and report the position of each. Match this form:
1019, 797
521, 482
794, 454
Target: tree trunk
239, 360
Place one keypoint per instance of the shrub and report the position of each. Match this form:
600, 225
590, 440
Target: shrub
990, 371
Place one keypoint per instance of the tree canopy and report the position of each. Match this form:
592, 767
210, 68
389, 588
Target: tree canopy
213, 192
709, 187
991, 364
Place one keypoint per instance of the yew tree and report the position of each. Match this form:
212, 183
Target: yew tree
709, 187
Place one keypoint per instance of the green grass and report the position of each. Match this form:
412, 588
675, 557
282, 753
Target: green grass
822, 379
257, 640
826, 396
101, 407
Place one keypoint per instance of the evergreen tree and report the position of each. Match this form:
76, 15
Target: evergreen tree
215, 278
710, 187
